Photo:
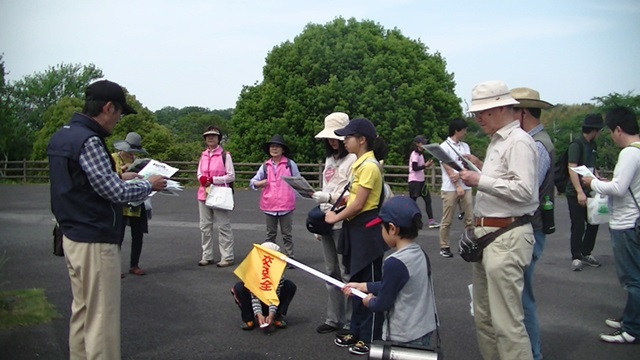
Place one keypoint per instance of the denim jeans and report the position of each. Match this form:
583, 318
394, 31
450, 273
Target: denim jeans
626, 251
529, 300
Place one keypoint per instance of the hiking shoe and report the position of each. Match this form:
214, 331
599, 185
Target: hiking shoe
249, 325
591, 261
360, 348
205, 262
345, 341
614, 323
433, 224
461, 216
620, 337
342, 333
576, 265
446, 252
326, 328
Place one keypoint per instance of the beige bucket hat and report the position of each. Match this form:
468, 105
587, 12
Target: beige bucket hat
333, 122
489, 95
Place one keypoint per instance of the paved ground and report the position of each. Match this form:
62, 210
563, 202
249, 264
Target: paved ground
182, 311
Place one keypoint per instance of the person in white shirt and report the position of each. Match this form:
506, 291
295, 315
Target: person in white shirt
453, 191
624, 221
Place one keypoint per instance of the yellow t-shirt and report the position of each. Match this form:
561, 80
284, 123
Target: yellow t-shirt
366, 174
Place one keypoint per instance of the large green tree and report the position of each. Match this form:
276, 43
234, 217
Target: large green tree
33, 94
346, 65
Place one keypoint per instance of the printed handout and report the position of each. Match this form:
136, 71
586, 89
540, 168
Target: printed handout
300, 185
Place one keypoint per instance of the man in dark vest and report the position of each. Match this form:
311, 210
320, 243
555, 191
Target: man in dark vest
87, 196
528, 113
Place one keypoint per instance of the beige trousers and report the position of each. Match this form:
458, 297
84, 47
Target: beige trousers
208, 219
450, 203
94, 328
497, 295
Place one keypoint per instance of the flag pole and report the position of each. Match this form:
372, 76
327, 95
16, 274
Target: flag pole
324, 277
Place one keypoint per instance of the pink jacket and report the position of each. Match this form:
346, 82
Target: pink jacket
211, 166
277, 195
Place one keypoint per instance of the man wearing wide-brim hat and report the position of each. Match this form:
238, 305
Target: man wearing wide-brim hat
528, 113
582, 151
507, 197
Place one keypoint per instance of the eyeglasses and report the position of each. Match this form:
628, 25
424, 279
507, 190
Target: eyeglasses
477, 114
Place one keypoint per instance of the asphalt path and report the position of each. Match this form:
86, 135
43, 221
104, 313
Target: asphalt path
182, 311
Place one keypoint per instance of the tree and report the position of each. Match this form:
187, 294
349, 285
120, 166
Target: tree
33, 94
356, 67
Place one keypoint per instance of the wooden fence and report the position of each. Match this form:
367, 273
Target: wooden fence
28, 171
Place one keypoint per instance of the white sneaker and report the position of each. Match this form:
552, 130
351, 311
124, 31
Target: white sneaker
576, 265
614, 323
620, 337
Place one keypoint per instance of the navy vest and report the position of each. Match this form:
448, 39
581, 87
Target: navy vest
83, 215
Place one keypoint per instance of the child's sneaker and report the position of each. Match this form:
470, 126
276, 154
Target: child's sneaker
433, 224
345, 341
279, 322
360, 348
249, 325
614, 323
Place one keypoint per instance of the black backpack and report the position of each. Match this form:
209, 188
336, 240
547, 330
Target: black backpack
561, 170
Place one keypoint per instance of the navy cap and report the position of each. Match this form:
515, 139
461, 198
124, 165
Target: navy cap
358, 126
105, 90
399, 210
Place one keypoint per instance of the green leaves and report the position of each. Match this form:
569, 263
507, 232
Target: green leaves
356, 67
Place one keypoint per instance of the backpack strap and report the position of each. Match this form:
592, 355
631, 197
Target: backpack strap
637, 146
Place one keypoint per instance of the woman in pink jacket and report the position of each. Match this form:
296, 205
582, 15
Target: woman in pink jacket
215, 168
277, 200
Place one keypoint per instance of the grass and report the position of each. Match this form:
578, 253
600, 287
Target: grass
25, 308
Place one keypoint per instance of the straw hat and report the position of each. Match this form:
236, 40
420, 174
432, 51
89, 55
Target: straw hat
529, 98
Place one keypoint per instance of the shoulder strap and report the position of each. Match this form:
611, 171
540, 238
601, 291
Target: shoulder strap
637, 146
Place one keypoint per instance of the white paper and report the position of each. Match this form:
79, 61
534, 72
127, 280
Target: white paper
582, 170
440, 154
158, 168
470, 165
300, 185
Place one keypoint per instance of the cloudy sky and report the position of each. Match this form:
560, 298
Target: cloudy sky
201, 52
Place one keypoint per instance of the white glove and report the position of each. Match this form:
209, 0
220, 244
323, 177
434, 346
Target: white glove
321, 197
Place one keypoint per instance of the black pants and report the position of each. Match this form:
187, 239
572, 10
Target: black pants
583, 235
242, 297
138, 228
416, 190
366, 325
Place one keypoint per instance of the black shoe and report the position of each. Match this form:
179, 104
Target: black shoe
461, 216
446, 252
345, 341
326, 328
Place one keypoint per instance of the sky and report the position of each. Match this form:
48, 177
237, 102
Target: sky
202, 52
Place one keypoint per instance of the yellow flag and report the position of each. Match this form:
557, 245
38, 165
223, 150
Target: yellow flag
261, 271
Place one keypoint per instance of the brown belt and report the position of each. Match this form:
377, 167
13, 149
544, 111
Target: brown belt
494, 221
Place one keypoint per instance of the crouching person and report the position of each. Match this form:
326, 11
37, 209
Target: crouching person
405, 292
255, 312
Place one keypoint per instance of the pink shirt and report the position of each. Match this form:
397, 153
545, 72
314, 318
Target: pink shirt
416, 175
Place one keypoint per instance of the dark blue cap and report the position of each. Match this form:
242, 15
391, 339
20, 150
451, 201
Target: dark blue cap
399, 210
358, 126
